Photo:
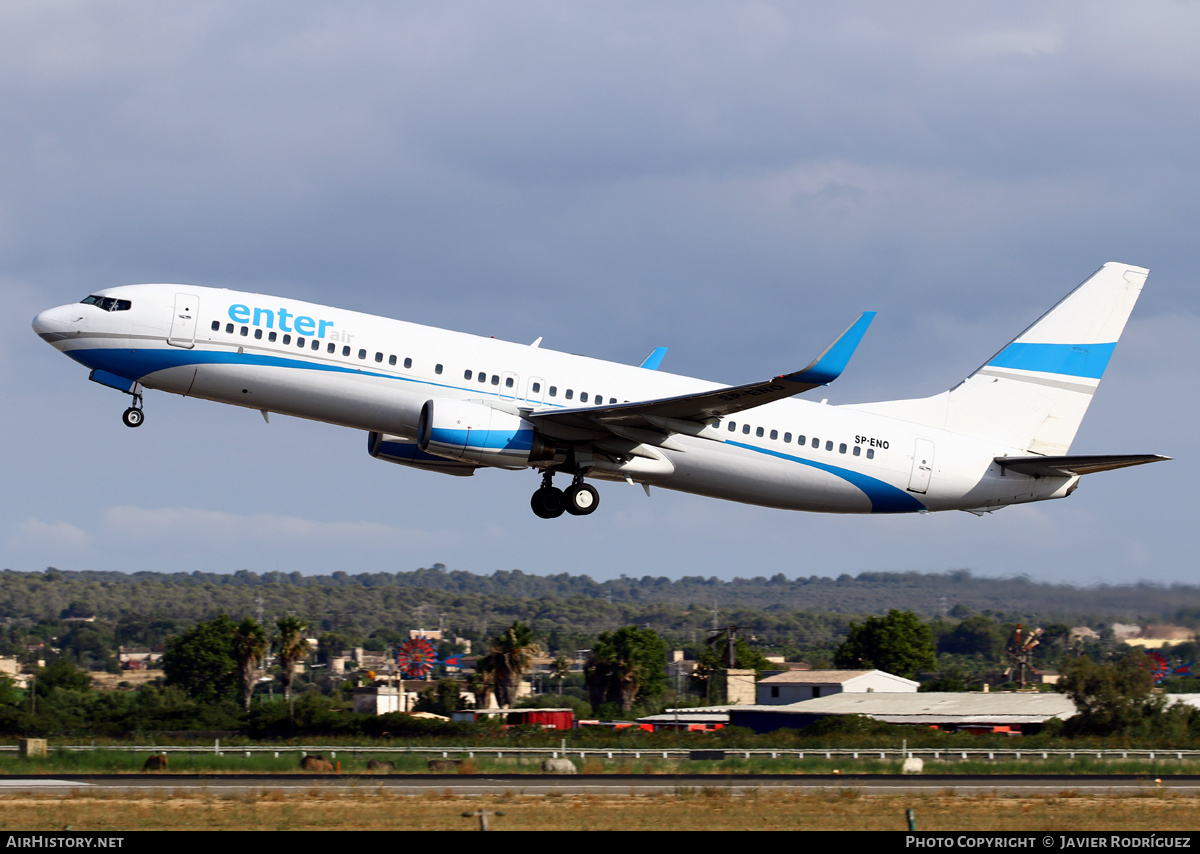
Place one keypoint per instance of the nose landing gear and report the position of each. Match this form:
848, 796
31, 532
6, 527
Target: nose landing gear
550, 502
133, 416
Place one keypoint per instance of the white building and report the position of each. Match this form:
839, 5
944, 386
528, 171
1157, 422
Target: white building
795, 686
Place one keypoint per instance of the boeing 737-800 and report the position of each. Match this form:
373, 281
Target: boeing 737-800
452, 403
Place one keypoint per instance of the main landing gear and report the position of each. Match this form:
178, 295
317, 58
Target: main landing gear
133, 416
579, 499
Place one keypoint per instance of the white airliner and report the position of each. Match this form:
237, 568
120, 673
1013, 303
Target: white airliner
450, 402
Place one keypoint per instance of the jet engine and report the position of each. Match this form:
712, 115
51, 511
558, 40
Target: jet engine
404, 452
474, 432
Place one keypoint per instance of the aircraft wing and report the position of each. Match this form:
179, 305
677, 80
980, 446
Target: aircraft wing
1070, 466
702, 407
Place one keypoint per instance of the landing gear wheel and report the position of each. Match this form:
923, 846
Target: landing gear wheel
582, 499
133, 417
548, 502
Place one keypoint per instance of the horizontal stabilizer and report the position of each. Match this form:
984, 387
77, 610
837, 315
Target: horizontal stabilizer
1073, 465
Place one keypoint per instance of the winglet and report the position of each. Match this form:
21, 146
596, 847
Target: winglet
654, 359
829, 365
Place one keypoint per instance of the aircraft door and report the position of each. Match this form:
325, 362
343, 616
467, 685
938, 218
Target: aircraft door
922, 468
510, 386
183, 321
536, 391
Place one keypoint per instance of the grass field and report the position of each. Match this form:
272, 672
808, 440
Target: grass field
117, 761
700, 809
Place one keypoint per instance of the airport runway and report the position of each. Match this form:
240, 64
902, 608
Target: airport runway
599, 784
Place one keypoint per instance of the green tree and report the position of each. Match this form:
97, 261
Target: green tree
201, 661
976, 635
444, 697
626, 666
61, 674
1117, 698
510, 655
898, 643
290, 647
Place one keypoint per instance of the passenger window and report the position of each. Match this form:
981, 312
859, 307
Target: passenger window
537, 387
345, 351
612, 400
229, 328
842, 448
858, 450
732, 426
495, 379
570, 393
774, 434
300, 342
258, 334
553, 391
759, 432
482, 377
316, 345
271, 337
408, 363
787, 438
746, 429
870, 453
437, 369
800, 440
245, 331
816, 443
287, 339
466, 375
508, 382
216, 327
391, 360
331, 348
378, 357
583, 397
362, 354
829, 445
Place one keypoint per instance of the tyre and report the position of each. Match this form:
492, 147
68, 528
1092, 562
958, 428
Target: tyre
548, 502
133, 417
582, 499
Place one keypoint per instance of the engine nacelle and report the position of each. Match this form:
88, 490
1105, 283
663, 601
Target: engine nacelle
397, 449
476, 433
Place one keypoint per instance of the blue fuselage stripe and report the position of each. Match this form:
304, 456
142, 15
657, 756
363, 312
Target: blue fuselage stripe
884, 497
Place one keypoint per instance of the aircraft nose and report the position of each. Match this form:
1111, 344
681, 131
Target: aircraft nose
56, 324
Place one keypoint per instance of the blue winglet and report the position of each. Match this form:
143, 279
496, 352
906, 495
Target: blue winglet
654, 359
829, 365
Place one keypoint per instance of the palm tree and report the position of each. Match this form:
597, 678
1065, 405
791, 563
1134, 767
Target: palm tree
290, 647
626, 664
560, 670
510, 657
249, 646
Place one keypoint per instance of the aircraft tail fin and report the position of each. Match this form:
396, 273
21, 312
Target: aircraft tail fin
1034, 393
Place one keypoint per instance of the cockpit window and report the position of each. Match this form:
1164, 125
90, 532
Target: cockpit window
108, 303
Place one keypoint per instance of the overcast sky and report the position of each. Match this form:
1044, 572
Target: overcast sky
736, 181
